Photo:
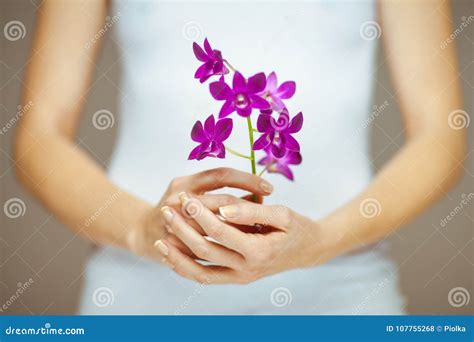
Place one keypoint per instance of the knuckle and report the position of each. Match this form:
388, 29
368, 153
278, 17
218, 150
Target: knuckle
285, 215
216, 231
176, 184
226, 200
202, 251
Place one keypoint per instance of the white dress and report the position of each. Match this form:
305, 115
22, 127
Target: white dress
317, 44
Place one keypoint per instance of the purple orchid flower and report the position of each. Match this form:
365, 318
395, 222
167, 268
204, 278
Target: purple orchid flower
242, 97
275, 94
210, 138
281, 165
212, 59
277, 134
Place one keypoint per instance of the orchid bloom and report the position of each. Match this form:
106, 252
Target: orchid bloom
212, 59
275, 94
242, 97
277, 134
210, 138
281, 165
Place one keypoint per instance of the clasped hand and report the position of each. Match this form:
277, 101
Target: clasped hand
238, 241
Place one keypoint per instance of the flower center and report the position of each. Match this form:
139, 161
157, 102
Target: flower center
241, 101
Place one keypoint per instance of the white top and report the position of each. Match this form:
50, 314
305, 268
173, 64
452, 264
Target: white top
319, 45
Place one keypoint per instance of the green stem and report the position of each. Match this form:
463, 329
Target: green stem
235, 153
252, 152
262, 172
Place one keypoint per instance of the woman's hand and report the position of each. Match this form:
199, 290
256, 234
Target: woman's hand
153, 225
286, 240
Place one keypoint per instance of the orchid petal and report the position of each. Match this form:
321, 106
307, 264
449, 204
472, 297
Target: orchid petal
286, 90
262, 142
272, 82
197, 133
258, 102
278, 150
199, 53
296, 123
223, 129
293, 158
227, 108
220, 90
207, 47
256, 83
196, 152
291, 143
284, 170
238, 82
245, 112
209, 126
264, 123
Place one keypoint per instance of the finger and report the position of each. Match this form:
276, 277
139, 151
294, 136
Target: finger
214, 201
226, 177
180, 245
203, 248
190, 269
223, 233
251, 213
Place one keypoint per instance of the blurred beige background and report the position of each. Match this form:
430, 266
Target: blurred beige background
433, 257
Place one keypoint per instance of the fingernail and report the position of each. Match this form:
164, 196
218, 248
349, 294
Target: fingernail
167, 214
183, 197
161, 247
168, 228
229, 211
266, 187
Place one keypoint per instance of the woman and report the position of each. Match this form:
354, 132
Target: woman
319, 253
